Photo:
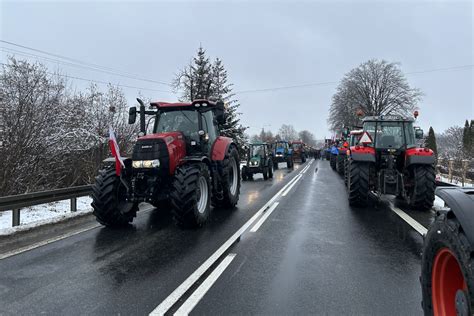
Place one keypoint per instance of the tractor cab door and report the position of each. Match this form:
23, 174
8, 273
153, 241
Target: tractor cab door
211, 132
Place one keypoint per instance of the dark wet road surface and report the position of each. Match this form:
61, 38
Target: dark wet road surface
313, 255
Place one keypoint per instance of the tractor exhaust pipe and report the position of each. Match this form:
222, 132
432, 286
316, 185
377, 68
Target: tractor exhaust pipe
142, 117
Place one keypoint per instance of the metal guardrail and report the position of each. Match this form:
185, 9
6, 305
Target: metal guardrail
14, 203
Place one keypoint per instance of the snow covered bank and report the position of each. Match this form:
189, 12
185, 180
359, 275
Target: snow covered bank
42, 214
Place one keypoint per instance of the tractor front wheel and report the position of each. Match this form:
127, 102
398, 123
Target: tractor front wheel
447, 273
421, 192
270, 170
191, 195
358, 183
340, 164
275, 165
108, 200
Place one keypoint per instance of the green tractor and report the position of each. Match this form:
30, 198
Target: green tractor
259, 160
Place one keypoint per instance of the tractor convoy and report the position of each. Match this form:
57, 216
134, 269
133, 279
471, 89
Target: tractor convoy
184, 164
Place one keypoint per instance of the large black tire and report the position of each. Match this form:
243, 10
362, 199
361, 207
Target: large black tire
332, 161
275, 165
270, 170
290, 163
346, 170
108, 200
190, 185
421, 195
358, 183
230, 180
265, 173
447, 263
244, 174
340, 164
303, 158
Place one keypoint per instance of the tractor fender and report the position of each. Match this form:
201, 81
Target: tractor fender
203, 159
334, 150
366, 154
419, 156
220, 147
461, 203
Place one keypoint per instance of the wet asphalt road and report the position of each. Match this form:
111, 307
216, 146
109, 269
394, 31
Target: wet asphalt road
313, 255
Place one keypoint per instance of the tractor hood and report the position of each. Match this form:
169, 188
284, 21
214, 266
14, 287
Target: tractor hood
169, 147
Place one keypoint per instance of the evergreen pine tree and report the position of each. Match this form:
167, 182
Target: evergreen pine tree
471, 139
431, 141
466, 140
201, 80
221, 89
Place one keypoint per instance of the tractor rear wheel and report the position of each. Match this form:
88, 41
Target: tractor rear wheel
332, 162
230, 180
265, 173
358, 183
421, 194
447, 269
108, 200
289, 163
191, 195
275, 165
270, 170
244, 174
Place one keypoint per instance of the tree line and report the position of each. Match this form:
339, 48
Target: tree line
286, 132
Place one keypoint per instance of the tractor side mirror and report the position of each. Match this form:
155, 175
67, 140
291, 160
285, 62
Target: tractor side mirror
419, 133
220, 112
132, 115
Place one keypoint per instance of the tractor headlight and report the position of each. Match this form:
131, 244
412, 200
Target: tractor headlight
146, 163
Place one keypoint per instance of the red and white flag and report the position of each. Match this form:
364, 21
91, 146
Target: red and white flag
114, 148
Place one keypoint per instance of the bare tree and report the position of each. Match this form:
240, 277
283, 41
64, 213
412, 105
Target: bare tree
376, 87
287, 132
450, 143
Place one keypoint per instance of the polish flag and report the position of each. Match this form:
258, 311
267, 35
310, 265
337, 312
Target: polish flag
114, 148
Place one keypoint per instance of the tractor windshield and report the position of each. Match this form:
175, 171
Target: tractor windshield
391, 134
257, 150
184, 121
296, 146
281, 145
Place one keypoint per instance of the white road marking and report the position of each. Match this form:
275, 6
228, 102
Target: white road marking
264, 217
298, 177
168, 302
54, 239
45, 242
194, 299
410, 221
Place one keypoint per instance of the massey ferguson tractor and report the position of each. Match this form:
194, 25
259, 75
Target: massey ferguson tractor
387, 161
183, 163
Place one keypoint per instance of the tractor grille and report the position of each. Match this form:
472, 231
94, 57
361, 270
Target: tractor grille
150, 149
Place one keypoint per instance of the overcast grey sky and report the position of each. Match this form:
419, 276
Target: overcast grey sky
263, 45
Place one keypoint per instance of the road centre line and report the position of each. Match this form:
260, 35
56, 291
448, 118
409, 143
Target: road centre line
409, 220
168, 302
194, 299
264, 217
292, 185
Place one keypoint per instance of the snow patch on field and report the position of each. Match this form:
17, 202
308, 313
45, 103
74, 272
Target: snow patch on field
42, 214
456, 181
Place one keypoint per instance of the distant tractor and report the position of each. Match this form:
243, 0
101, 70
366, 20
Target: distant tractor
183, 163
447, 265
334, 151
259, 160
282, 153
387, 161
299, 151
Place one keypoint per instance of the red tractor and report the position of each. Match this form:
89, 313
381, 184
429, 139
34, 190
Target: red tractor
387, 161
354, 138
184, 164
299, 150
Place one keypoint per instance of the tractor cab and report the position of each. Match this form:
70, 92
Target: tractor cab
282, 152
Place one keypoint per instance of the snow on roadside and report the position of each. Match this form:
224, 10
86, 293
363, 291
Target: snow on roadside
442, 178
43, 214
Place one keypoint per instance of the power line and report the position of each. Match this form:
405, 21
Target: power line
336, 82
83, 63
101, 82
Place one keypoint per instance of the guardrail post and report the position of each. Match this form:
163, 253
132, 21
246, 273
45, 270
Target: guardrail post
16, 217
73, 204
